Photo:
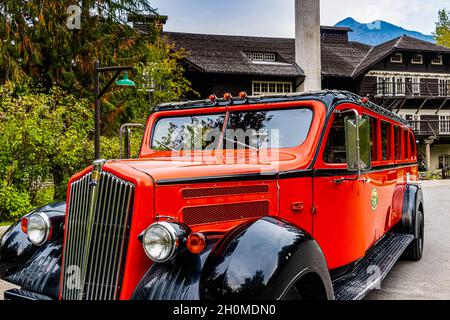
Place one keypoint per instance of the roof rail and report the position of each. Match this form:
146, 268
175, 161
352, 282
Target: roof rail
329, 97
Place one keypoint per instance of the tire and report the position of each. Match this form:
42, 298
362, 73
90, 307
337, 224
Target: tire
415, 250
292, 295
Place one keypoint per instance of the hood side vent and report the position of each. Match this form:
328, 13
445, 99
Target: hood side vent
224, 191
210, 214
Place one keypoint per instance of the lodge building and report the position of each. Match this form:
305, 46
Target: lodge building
406, 75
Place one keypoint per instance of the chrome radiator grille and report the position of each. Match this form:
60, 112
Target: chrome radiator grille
97, 230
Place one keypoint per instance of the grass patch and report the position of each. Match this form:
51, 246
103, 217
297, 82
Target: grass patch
5, 224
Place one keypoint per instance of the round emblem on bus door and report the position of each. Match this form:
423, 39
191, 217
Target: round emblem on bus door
374, 199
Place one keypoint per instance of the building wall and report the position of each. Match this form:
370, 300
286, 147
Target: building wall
218, 84
437, 150
386, 64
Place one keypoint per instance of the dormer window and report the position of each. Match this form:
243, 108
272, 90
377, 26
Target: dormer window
437, 61
397, 58
417, 59
262, 56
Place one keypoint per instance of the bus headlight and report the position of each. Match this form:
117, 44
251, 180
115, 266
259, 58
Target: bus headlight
162, 239
38, 228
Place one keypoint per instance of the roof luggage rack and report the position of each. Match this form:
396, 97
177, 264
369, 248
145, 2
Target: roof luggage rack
330, 97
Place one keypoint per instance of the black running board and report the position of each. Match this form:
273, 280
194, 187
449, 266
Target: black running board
372, 269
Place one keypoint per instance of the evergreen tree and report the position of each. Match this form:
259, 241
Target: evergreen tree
442, 33
38, 48
36, 42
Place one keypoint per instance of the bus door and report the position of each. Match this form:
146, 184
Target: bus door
340, 191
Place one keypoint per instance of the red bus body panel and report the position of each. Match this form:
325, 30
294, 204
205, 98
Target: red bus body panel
339, 216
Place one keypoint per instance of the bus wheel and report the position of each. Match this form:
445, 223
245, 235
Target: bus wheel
415, 250
292, 294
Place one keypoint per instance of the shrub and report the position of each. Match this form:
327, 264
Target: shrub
42, 137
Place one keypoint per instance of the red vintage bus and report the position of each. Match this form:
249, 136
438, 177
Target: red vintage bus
300, 196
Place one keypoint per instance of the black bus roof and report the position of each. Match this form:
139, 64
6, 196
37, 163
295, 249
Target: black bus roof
330, 98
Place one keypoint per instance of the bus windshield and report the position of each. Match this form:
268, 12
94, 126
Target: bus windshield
263, 129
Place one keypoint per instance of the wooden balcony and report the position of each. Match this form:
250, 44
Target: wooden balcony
413, 90
433, 129
395, 95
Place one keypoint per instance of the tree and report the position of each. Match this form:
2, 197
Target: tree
37, 42
442, 33
39, 48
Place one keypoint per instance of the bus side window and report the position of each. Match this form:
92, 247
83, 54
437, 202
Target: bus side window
335, 151
412, 146
386, 138
374, 138
398, 143
405, 144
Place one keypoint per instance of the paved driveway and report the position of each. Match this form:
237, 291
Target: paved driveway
427, 279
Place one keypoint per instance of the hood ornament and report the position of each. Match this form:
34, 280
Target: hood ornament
97, 166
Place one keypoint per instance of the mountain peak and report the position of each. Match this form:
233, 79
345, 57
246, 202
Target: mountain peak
348, 20
378, 31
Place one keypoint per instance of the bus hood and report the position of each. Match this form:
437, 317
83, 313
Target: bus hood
170, 170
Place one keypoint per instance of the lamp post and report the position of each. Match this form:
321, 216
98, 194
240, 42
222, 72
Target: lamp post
100, 92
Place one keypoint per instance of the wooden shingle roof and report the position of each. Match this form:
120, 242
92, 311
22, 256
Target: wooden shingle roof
404, 43
340, 57
227, 54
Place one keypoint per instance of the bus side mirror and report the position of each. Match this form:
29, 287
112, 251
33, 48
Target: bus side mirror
358, 143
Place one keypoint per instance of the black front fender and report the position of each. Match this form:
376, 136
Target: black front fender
31, 267
258, 260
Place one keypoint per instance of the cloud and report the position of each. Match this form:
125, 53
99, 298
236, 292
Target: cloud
276, 17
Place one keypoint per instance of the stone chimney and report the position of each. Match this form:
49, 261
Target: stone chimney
307, 43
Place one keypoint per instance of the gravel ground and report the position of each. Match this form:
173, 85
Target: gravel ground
430, 277
427, 279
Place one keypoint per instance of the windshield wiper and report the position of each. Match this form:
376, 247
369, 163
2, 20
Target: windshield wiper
165, 145
241, 144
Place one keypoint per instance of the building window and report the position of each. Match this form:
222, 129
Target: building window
444, 161
397, 58
400, 87
444, 87
271, 87
438, 60
262, 56
417, 59
391, 86
416, 86
414, 121
444, 124
271, 57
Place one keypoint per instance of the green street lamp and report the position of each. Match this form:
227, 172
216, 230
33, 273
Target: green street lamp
125, 82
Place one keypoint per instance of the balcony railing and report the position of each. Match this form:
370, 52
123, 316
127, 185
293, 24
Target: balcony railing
432, 128
413, 89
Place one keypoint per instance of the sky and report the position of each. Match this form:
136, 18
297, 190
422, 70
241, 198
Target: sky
276, 17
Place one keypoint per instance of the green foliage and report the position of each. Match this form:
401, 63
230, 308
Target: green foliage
42, 137
13, 203
442, 33
46, 91
159, 78
37, 44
